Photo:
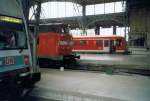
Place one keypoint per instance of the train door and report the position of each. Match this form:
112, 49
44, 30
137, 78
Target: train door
106, 44
112, 46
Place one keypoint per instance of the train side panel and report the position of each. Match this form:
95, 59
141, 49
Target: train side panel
106, 44
87, 45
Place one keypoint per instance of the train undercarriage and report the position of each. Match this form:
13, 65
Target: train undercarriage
57, 62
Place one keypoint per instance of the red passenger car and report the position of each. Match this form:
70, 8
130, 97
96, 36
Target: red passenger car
54, 45
100, 44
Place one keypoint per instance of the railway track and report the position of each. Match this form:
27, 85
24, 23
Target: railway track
110, 69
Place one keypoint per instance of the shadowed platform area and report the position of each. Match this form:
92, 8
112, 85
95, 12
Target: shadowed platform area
91, 86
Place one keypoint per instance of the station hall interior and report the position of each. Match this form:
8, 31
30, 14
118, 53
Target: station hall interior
75, 50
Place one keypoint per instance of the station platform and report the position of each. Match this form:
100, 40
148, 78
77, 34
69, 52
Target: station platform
138, 59
91, 86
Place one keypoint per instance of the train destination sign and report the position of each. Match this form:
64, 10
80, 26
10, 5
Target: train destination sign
10, 19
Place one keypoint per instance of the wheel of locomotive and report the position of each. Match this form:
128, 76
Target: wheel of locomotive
57, 64
69, 61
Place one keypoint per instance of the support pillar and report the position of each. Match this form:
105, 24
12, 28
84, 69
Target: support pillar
84, 19
26, 7
148, 41
36, 30
114, 30
97, 30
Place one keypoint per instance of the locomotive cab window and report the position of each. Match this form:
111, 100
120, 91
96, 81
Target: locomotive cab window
99, 42
82, 42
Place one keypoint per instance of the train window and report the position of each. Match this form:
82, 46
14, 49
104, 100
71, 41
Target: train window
114, 42
8, 39
99, 42
106, 43
83, 42
12, 39
118, 43
75, 43
21, 41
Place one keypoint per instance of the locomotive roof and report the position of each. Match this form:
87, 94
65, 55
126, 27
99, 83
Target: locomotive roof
95, 37
53, 24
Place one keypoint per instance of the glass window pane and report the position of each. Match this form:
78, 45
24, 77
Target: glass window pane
106, 43
99, 42
119, 7
99, 9
59, 9
82, 42
109, 8
90, 10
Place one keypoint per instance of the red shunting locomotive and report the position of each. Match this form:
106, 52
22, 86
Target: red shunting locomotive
54, 46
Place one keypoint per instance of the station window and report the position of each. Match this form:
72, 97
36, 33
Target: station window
99, 42
106, 43
83, 42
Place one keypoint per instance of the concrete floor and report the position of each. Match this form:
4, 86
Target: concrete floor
88, 86
139, 59
31, 98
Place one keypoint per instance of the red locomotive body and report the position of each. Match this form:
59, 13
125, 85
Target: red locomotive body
54, 45
100, 44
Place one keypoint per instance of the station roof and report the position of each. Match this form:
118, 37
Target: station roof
84, 2
103, 20
110, 19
